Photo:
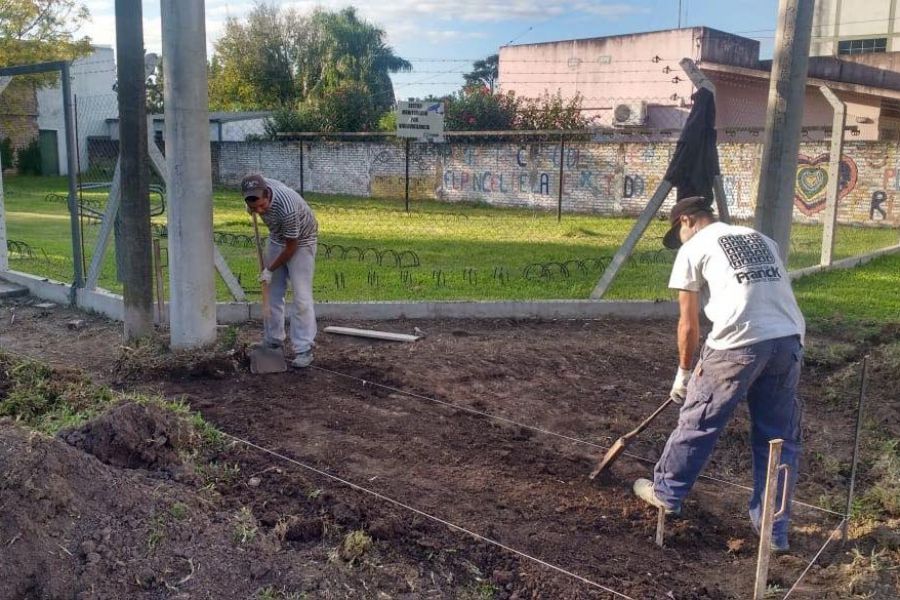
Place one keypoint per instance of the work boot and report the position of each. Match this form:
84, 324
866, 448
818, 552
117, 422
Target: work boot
779, 546
643, 489
302, 360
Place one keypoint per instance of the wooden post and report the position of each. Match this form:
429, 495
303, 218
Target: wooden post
834, 175
768, 517
660, 526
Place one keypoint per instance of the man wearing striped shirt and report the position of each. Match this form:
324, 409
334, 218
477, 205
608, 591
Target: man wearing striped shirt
290, 255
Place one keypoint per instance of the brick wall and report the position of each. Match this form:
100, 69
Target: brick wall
606, 178
18, 113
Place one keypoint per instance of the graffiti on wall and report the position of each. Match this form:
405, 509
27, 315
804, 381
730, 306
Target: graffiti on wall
812, 181
876, 207
533, 170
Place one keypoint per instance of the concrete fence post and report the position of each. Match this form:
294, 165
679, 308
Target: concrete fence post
834, 175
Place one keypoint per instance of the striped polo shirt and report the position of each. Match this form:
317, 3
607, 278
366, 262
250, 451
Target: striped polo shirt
289, 217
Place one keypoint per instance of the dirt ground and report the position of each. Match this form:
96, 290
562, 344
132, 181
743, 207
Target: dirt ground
413, 423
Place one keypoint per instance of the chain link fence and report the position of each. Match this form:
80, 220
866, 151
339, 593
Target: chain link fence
487, 215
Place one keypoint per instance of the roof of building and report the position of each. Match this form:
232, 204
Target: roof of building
221, 116
630, 35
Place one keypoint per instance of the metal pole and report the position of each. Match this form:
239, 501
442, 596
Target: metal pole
158, 277
73, 188
627, 247
134, 211
859, 420
192, 285
787, 92
562, 147
768, 517
4, 253
407, 174
80, 191
834, 174
721, 200
301, 167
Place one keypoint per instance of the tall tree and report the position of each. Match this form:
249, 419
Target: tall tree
278, 58
41, 30
352, 50
255, 62
484, 72
156, 90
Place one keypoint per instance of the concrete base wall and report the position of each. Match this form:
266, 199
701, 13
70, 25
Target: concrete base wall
111, 305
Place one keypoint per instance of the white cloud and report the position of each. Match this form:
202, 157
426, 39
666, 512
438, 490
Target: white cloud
401, 19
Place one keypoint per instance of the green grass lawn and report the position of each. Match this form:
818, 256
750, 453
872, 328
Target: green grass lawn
463, 251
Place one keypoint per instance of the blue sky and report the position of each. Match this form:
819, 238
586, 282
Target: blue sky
442, 38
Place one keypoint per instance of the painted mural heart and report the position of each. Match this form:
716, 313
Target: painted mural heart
812, 181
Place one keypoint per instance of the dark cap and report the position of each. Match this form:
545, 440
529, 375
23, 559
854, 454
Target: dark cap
253, 186
683, 208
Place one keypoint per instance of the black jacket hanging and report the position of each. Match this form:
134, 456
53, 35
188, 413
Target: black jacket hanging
695, 163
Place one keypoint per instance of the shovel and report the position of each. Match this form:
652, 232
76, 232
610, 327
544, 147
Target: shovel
619, 447
262, 358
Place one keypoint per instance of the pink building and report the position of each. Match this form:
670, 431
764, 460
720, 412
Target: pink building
634, 81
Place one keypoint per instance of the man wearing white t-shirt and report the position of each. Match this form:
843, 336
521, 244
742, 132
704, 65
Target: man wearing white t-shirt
754, 351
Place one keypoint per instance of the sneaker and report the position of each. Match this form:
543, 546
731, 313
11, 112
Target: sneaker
302, 360
643, 489
273, 344
774, 545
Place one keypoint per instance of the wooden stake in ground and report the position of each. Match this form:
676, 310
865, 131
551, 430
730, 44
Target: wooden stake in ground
660, 527
768, 516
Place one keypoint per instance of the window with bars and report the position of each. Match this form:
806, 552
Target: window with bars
862, 46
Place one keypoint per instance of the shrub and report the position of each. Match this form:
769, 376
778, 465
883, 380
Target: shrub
285, 120
6, 153
28, 159
477, 109
347, 107
551, 112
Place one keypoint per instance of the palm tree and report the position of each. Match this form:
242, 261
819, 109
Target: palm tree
352, 49
484, 72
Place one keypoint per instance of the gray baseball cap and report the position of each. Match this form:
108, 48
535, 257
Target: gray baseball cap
685, 207
253, 186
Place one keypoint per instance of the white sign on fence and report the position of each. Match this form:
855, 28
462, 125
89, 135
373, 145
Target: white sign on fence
423, 121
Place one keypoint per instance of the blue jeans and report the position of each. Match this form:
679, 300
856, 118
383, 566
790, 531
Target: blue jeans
766, 374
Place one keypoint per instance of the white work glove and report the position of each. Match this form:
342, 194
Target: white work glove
679, 387
265, 276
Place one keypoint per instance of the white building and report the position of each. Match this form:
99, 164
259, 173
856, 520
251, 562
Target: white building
223, 126
93, 79
846, 27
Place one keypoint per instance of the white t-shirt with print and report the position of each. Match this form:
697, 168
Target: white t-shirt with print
744, 288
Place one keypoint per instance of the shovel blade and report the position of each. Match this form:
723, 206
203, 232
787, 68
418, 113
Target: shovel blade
611, 455
267, 360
